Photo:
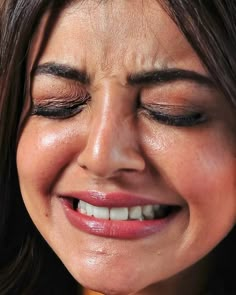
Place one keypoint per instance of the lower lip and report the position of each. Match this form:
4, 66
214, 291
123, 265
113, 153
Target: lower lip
130, 229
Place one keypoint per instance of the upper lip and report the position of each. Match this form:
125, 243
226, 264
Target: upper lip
114, 199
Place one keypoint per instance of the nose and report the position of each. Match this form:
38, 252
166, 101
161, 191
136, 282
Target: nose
112, 142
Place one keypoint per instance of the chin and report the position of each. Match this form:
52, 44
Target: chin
111, 288
113, 281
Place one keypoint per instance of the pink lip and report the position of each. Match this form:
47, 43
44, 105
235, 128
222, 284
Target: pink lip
131, 229
115, 199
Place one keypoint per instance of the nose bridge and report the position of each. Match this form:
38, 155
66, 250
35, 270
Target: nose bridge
111, 144
106, 133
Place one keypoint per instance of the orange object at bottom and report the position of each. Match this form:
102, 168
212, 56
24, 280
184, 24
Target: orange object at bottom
90, 292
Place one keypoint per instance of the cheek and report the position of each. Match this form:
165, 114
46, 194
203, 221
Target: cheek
201, 168
44, 152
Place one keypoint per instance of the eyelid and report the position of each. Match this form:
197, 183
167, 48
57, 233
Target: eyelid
164, 114
179, 94
174, 109
53, 96
59, 108
44, 89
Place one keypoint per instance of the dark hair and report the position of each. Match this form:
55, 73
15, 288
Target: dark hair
27, 264
26, 261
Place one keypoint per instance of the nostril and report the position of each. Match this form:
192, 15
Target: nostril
83, 166
105, 158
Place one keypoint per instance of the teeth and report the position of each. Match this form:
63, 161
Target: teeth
119, 213
82, 205
89, 209
101, 212
133, 213
148, 211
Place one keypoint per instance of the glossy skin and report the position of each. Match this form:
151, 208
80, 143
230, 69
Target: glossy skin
113, 145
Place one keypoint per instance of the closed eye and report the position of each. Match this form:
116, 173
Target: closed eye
174, 116
58, 108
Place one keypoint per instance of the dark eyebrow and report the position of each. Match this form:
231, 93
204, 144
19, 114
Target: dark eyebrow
152, 77
62, 71
168, 76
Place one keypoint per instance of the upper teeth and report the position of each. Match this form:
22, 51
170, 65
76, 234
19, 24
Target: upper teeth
123, 213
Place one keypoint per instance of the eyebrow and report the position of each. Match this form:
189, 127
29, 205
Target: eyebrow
61, 71
170, 75
162, 76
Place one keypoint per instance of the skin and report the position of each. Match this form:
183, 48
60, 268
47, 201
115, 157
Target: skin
112, 145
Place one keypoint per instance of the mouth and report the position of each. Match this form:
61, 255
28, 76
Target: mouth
146, 212
117, 215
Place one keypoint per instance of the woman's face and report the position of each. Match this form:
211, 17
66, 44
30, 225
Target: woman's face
125, 118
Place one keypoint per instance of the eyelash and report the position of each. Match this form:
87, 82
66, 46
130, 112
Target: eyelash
185, 119
65, 110
60, 110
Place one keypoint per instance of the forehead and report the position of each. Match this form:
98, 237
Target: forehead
112, 36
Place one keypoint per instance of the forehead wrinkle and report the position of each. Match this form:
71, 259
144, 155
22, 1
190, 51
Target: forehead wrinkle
114, 40
108, 22
125, 62
122, 49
